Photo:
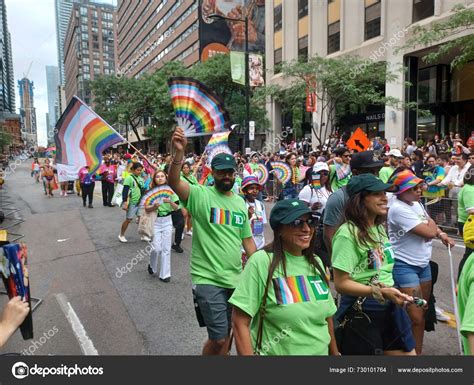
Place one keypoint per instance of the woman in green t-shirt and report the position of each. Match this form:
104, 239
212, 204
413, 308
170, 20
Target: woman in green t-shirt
187, 175
363, 262
282, 302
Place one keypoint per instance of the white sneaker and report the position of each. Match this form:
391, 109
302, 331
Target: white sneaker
145, 238
122, 238
182, 236
190, 233
440, 315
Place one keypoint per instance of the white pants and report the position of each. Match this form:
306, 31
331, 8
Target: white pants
162, 246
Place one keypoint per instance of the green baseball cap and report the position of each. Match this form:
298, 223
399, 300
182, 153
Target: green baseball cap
367, 182
223, 161
286, 211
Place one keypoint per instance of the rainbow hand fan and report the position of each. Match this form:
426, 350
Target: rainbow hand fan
282, 171
157, 194
219, 149
199, 111
303, 170
262, 174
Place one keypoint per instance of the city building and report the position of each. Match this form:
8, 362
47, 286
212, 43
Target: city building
11, 125
7, 85
373, 29
151, 33
90, 47
28, 111
52, 83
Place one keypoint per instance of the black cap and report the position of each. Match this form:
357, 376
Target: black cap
367, 182
223, 161
365, 159
286, 211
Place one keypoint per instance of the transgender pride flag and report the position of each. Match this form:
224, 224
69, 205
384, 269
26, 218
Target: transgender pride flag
82, 136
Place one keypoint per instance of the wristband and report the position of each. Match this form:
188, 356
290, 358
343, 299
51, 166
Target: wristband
178, 162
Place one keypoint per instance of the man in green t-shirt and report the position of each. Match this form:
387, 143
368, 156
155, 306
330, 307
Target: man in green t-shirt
221, 227
395, 157
131, 195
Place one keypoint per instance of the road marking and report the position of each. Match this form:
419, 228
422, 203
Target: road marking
85, 342
452, 319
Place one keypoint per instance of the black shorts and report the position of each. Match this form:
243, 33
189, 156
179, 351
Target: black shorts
213, 309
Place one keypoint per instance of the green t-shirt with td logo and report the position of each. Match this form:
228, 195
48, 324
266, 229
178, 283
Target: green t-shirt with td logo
360, 261
296, 309
220, 222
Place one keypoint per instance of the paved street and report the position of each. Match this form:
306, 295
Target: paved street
88, 306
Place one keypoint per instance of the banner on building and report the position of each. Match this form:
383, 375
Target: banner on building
222, 36
311, 101
237, 65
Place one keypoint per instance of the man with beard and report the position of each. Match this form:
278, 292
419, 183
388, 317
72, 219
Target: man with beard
221, 225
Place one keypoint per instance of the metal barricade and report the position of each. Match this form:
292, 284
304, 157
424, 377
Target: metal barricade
444, 211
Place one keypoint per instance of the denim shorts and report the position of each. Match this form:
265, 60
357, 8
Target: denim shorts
213, 309
406, 275
132, 211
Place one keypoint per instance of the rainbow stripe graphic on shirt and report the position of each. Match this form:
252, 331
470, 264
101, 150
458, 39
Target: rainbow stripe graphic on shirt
290, 290
221, 216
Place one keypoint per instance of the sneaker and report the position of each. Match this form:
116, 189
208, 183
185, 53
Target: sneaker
122, 238
150, 270
145, 238
190, 233
165, 280
177, 248
440, 315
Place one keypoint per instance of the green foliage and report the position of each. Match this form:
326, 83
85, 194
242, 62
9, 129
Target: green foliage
342, 84
127, 100
461, 50
5, 139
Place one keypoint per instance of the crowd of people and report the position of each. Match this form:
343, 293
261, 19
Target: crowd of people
355, 226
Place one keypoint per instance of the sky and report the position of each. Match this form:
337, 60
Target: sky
32, 27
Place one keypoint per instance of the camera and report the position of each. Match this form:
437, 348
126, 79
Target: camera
21, 370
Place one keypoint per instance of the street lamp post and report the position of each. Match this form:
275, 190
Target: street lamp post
247, 70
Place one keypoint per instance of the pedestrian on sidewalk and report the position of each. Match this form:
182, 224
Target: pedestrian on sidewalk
131, 195
87, 185
163, 229
221, 226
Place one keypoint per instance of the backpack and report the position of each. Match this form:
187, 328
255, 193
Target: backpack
468, 232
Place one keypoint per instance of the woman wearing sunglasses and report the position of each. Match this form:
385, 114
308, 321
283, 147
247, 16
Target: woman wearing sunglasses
316, 193
282, 303
411, 232
362, 264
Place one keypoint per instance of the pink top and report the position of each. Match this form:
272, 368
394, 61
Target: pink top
110, 172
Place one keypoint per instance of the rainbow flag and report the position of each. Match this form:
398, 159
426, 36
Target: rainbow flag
219, 138
82, 136
290, 290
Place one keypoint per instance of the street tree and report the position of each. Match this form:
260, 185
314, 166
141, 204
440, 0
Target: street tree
341, 84
461, 50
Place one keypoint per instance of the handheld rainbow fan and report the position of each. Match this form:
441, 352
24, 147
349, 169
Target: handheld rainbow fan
262, 174
303, 170
156, 194
282, 171
199, 111
219, 149
316, 181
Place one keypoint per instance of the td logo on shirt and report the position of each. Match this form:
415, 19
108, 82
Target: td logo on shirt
320, 289
226, 217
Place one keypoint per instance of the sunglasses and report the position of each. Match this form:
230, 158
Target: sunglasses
311, 222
